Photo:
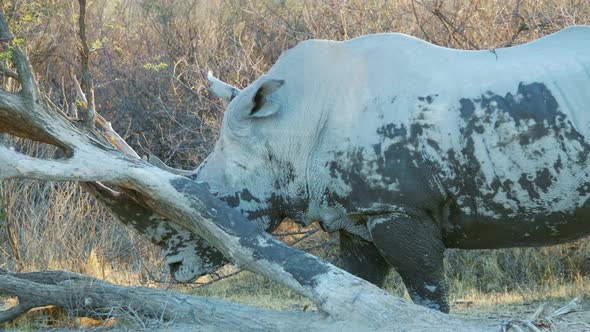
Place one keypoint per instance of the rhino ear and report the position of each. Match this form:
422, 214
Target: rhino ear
263, 102
221, 89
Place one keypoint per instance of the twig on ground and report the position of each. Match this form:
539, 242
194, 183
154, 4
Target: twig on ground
537, 323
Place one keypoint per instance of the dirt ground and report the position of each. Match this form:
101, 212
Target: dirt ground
576, 321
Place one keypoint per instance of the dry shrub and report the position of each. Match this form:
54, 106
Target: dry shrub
519, 269
150, 61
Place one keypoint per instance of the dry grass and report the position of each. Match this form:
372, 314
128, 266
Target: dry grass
150, 61
50, 225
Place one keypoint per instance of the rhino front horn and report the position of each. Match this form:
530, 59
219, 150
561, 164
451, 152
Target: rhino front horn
221, 89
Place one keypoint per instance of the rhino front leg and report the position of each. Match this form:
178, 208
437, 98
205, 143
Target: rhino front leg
361, 258
412, 244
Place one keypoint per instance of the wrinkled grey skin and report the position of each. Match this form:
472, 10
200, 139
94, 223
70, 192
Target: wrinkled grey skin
406, 149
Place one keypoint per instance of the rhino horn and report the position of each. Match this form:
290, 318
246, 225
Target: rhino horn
221, 89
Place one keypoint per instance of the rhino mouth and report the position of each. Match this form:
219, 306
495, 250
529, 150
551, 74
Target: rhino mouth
192, 258
184, 273
187, 255
180, 273
174, 267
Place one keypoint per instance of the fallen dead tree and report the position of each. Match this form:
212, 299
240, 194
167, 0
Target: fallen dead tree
85, 296
342, 299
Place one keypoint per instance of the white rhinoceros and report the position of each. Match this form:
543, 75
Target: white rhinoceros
407, 148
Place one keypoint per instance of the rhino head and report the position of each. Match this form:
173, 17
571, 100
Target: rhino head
269, 161
258, 163
253, 168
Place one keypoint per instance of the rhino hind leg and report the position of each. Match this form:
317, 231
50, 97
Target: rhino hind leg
412, 244
361, 258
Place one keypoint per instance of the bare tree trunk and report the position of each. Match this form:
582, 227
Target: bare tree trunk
82, 295
87, 85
